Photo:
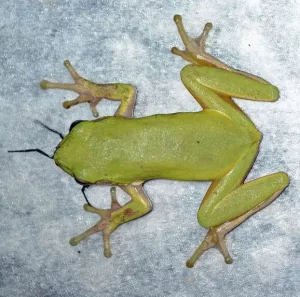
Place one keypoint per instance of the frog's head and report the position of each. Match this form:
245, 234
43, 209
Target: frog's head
65, 152
69, 153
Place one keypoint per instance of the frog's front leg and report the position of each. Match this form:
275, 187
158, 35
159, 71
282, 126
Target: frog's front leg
229, 202
93, 93
112, 218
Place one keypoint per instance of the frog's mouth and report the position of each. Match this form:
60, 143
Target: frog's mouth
62, 165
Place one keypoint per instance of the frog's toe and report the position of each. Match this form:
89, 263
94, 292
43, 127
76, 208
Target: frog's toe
73, 241
44, 84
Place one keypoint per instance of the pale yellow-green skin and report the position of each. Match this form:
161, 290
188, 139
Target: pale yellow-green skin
184, 146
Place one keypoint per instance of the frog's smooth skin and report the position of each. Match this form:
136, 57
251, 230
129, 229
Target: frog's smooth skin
218, 144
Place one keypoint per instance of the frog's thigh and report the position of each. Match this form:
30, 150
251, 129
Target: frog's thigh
242, 199
138, 206
227, 83
214, 91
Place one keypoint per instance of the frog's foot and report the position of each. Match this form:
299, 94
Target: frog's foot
112, 218
195, 50
215, 236
87, 90
105, 224
93, 93
194, 47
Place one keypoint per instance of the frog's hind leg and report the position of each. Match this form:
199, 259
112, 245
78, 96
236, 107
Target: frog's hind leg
112, 218
229, 202
93, 93
213, 88
215, 236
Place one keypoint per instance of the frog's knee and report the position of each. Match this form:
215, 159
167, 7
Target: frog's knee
187, 72
186, 69
283, 179
205, 222
204, 219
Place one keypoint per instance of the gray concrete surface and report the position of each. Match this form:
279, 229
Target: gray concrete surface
130, 41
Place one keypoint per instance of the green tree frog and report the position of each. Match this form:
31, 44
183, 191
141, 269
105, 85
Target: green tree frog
217, 144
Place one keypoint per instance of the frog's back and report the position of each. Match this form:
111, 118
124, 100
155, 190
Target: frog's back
182, 146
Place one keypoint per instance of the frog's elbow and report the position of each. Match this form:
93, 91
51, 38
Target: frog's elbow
274, 93
258, 136
255, 136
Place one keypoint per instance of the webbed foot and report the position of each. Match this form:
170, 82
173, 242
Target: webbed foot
194, 47
104, 225
117, 215
87, 90
215, 237
195, 52
93, 93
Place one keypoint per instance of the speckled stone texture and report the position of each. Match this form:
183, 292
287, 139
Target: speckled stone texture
130, 41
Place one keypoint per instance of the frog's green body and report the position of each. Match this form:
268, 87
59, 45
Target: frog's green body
178, 146
218, 144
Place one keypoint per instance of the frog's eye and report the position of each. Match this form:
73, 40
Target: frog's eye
74, 124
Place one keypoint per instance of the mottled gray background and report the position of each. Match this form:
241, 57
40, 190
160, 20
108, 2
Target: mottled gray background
130, 41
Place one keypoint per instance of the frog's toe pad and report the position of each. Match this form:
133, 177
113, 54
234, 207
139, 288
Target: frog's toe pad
228, 260
107, 253
44, 84
73, 241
